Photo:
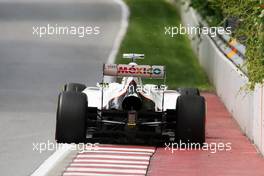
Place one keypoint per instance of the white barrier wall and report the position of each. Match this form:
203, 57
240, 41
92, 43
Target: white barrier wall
246, 107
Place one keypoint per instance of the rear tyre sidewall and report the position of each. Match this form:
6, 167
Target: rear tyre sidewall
71, 117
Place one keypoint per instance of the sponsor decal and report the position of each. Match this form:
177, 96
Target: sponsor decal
145, 71
142, 70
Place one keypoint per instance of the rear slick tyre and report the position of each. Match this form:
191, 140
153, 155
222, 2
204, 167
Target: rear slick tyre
188, 91
75, 87
71, 118
190, 124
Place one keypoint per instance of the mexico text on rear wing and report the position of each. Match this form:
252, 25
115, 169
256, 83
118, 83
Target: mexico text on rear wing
143, 71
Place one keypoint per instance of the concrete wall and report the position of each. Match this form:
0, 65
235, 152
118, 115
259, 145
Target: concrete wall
246, 107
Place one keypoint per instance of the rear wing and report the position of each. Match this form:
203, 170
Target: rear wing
143, 71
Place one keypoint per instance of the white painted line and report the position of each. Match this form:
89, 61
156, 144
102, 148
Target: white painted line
126, 171
125, 149
115, 152
115, 157
52, 162
121, 33
110, 161
110, 165
94, 174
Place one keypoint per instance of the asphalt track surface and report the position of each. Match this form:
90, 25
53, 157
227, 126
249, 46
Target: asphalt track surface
33, 70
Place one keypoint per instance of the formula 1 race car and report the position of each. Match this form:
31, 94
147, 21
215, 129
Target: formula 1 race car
130, 111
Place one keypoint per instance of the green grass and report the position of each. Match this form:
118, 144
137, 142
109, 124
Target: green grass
146, 35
